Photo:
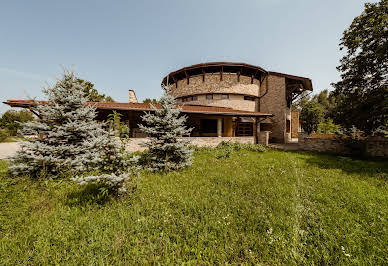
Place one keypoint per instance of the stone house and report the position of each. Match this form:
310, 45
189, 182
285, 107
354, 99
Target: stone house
222, 100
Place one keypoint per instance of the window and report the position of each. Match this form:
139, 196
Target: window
189, 98
224, 96
288, 126
209, 96
249, 98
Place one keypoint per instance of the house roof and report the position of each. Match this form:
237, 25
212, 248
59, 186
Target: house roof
230, 67
189, 109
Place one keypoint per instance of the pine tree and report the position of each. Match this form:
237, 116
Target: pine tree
165, 128
68, 136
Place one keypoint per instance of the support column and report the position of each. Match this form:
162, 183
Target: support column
219, 127
228, 127
256, 130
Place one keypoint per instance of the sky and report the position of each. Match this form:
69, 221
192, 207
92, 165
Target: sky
121, 45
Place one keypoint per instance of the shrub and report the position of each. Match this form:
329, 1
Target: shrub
225, 148
4, 134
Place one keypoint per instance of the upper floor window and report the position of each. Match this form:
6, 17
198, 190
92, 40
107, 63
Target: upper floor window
190, 98
224, 96
249, 98
209, 96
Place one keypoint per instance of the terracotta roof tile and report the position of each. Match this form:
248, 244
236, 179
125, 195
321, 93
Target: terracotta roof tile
200, 109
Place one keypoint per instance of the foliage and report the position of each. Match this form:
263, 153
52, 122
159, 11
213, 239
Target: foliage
4, 134
118, 126
11, 120
273, 208
352, 140
363, 89
165, 128
92, 93
311, 115
226, 148
149, 100
326, 126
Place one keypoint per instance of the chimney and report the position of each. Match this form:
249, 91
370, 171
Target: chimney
132, 96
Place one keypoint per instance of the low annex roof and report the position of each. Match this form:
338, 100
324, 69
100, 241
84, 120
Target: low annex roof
189, 109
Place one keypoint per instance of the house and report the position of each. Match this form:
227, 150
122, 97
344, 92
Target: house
221, 99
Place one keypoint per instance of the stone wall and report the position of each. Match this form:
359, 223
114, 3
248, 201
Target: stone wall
134, 143
214, 84
373, 147
274, 102
235, 101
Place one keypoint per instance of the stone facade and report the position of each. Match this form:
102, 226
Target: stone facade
373, 147
294, 124
214, 84
274, 102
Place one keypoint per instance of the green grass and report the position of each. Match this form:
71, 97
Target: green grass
12, 139
272, 208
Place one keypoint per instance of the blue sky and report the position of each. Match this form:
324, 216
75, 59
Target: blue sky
121, 45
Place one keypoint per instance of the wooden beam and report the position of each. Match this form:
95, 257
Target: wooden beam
253, 76
203, 75
238, 76
221, 72
175, 81
187, 78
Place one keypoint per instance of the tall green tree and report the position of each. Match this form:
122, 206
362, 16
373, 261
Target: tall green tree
11, 120
362, 92
311, 115
149, 100
92, 93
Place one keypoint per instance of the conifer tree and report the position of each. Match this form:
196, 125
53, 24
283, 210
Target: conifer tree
165, 128
68, 136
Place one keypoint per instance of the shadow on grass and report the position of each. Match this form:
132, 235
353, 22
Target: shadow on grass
371, 166
86, 196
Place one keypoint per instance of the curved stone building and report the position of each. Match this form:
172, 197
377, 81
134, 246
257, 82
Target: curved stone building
241, 87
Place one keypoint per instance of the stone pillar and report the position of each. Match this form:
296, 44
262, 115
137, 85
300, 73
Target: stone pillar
264, 138
219, 127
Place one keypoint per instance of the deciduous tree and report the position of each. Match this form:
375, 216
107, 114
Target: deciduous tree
362, 92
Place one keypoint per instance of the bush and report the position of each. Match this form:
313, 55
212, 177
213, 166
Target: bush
4, 134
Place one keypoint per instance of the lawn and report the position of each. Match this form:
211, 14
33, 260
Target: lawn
273, 208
